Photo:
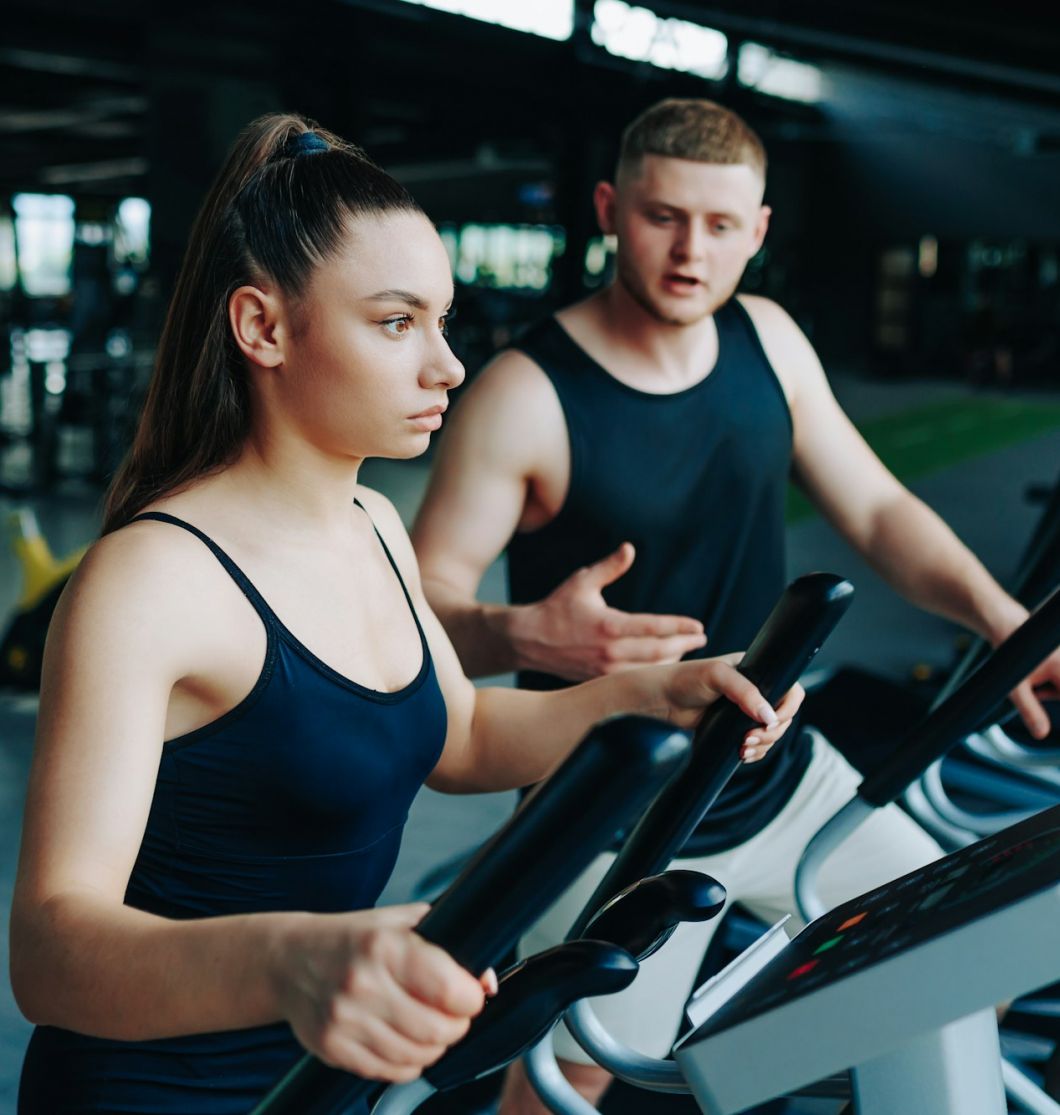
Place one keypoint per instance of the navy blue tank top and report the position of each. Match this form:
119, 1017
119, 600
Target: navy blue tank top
696, 480
293, 800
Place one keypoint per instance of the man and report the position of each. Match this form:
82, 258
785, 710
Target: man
633, 454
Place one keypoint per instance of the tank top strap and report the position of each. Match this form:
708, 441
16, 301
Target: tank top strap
561, 358
241, 579
397, 572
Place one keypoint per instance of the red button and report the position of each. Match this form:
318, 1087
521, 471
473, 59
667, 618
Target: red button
809, 967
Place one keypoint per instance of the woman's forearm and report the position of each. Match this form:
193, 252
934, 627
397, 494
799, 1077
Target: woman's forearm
517, 737
84, 963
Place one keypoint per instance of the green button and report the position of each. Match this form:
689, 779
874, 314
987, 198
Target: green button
827, 945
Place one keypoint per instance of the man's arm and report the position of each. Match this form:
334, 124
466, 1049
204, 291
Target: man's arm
474, 502
898, 534
504, 463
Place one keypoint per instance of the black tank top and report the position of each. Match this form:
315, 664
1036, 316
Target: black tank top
696, 480
293, 800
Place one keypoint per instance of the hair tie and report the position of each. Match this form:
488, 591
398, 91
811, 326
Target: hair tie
305, 143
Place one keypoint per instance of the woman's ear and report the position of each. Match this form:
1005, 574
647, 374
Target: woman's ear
254, 315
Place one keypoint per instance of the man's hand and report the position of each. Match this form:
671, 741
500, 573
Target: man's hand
574, 634
1045, 680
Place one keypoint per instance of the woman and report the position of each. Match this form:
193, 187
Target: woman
244, 687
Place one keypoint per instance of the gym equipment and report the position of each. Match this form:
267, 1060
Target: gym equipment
804, 616
534, 993
43, 579
898, 984
786, 644
962, 709
960, 712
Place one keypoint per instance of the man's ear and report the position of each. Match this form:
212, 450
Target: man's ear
604, 199
762, 227
254, 315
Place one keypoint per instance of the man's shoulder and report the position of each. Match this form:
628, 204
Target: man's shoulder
510, 416
512, 378
766, 315
787, 348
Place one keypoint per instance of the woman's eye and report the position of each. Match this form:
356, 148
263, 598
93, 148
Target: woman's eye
398, 326
443, 325
661, 218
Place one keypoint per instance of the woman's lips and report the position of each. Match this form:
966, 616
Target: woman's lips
429, 419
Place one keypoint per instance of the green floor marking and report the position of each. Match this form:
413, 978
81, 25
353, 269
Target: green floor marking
922, 440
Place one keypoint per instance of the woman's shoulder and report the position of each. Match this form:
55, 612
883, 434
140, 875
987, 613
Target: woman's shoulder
388, 523
380, 509
140, 554
138, 581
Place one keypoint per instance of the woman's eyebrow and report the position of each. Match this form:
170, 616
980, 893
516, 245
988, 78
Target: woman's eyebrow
398, 296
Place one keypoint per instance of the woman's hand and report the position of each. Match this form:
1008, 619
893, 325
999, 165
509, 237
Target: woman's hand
685, 690
366, 994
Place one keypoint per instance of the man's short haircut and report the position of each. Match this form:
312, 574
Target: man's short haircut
690, 128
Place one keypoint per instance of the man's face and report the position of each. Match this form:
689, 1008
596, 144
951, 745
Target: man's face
686, 230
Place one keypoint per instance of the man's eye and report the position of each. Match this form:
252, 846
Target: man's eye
397, 326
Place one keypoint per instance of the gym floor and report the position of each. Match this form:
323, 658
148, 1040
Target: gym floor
978, 487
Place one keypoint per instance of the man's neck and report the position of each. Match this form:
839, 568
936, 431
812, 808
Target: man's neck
636, 347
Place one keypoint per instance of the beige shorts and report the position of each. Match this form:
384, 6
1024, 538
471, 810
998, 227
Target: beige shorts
760, 876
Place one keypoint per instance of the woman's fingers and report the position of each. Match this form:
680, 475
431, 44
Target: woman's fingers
791, 702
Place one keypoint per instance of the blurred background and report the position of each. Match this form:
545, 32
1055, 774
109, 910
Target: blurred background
914, 177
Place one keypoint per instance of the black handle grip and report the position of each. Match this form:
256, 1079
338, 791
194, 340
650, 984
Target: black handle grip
642, 918
531, 996
802, 619
964, 709
554, 835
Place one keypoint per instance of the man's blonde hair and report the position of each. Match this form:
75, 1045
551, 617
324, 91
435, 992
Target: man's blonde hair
690, 128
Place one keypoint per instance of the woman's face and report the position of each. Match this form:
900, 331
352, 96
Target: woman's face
366, 366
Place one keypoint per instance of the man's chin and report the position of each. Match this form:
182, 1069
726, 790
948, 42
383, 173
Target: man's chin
684, 314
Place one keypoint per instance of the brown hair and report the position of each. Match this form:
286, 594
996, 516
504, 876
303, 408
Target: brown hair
685, 128
279, 207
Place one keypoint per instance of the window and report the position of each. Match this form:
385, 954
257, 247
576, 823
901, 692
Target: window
672, 44
44, 225
132, 226
510, 257
554, 19
763, 69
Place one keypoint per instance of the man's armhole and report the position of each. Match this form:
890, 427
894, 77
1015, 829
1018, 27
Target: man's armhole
753, 306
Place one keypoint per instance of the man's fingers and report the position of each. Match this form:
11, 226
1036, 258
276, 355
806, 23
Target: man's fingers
616, 624
610, 568
1030, 709
621, 654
